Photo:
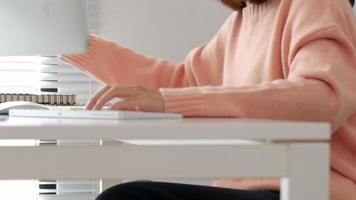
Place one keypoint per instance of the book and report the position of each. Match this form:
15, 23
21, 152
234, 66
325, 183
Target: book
46, 99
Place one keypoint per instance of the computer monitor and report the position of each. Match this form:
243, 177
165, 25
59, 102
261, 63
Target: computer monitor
43, 27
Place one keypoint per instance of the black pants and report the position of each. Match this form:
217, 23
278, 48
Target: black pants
171, 191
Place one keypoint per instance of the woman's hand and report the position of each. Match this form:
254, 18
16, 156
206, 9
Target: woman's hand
133, 99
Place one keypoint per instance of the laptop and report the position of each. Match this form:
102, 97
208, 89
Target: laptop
43, 27
79, 113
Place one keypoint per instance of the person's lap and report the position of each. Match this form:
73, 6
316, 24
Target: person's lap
145, 190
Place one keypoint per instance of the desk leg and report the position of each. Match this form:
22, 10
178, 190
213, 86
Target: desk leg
308, 172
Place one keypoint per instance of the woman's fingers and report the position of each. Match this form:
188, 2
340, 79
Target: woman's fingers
127, 104
133, 99
113, 92
92, 102
104, 98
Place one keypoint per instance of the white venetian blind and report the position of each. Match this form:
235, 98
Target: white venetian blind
59, 78
19, 74
69, 190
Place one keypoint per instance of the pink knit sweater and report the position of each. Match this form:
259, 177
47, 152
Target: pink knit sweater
285, 59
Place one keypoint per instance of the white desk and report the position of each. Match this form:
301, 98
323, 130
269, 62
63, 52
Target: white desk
302, 162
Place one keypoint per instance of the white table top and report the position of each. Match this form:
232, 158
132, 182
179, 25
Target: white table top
190, 128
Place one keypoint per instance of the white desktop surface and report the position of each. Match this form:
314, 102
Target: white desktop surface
189, 128
298, 152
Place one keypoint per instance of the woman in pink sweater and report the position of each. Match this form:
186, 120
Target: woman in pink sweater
272, 59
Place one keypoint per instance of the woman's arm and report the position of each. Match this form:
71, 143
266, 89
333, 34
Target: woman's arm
112, 64
321, 87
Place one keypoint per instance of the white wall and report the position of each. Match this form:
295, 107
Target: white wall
161, 28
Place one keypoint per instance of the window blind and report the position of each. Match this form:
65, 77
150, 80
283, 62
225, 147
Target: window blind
19, 74
69, 190
59, 78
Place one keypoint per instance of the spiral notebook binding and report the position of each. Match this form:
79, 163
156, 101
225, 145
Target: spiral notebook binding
46, 99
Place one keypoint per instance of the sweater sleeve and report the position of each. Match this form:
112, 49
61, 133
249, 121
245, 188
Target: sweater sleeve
321, 83
112, 64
